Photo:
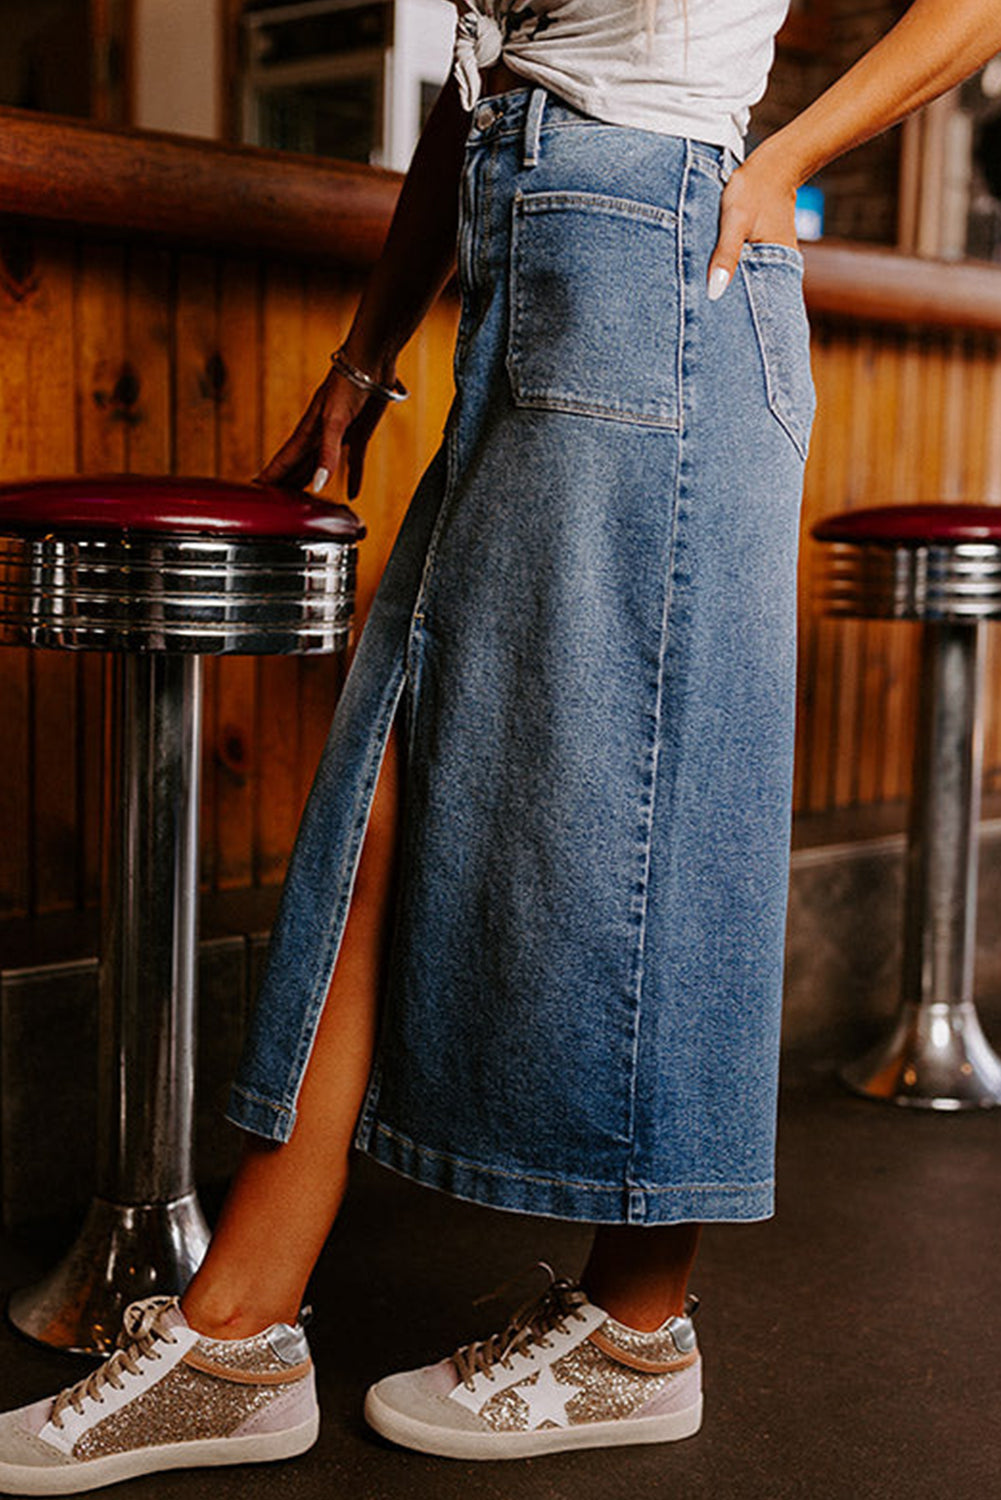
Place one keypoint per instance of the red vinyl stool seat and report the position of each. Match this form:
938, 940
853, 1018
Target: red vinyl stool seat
912, 525
134, 502
157, 572
940, 565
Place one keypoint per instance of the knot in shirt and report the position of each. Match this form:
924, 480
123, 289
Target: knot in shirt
478, 44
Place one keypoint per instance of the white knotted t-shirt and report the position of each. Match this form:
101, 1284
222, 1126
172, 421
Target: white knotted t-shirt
694, 69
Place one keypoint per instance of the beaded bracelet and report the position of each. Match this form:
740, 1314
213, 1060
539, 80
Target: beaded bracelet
395, 392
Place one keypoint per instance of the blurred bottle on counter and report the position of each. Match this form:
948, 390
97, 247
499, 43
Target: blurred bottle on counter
809, 212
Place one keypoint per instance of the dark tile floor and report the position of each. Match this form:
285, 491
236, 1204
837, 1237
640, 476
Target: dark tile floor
852, 1346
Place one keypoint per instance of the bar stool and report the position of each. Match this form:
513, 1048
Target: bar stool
940, 564
157, 572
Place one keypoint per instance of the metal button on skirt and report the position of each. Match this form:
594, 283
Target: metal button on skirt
586, 629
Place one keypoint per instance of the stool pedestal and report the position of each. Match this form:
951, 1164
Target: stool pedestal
144, 1232
939, 564
936, 1054
157, 573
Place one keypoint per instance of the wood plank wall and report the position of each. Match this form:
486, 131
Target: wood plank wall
117, 355
904, 415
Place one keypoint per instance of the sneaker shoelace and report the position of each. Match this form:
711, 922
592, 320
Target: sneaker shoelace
141, 1328
529, 1326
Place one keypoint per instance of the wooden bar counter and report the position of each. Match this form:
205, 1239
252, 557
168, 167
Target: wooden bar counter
167, 305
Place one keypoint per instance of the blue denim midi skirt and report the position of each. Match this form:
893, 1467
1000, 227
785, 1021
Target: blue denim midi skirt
587, 628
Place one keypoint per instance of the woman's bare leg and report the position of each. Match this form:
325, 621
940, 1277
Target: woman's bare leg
640, 1276
284, 1198
287, 1197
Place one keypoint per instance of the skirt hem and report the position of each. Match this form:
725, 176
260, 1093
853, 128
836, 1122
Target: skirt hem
568, 1199
247, 1111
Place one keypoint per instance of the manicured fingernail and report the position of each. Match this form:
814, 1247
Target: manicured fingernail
319, 480
719, 280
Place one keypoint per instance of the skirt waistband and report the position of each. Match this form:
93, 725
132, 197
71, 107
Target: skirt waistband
523, 113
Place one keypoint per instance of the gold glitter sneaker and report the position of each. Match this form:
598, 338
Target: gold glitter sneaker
166, 1399
563, 1374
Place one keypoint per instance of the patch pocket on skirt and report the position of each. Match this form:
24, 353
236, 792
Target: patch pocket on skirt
773, 275
595, 314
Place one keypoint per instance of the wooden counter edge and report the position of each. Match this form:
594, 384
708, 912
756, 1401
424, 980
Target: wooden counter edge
191, 190
866, 283
253, 201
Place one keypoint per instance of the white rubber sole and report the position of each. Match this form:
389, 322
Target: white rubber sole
449, 1442
92, 1474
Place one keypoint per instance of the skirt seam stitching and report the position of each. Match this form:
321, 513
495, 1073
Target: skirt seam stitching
640, 959
428, 1152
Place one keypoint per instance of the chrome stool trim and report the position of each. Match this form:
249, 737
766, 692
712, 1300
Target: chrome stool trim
923, 582
144, 592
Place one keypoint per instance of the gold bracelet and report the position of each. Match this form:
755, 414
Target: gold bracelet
395, 392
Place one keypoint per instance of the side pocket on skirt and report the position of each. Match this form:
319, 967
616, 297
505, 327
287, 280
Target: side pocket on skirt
595, 317
773, 275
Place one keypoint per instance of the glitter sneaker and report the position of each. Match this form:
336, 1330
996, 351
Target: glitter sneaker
166, 1399
563, 1374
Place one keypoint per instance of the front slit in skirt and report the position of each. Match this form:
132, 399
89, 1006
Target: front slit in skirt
587, 625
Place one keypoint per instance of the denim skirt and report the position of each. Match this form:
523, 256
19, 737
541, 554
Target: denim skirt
587, 633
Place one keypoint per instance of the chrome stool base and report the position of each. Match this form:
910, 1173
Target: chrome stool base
122, 1253
936, 1057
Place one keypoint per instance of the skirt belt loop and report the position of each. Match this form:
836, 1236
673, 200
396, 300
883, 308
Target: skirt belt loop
533, 127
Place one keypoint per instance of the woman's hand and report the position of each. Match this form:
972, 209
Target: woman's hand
340, 418
758, 205
934, 45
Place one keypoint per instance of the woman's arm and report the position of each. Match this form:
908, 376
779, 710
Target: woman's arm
416, 262
935, 44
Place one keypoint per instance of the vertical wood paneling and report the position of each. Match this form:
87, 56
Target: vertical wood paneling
285, 384
828, 490
992, 423
974, 436
56, 868
885, 425
236, 757
906, 640
137, 358
101, 357
145, 431
36, 437
195, 341
239, 413
149, 430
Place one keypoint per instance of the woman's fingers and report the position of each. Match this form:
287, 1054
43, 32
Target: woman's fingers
734, 228
310, 455
323, 466
758, 205
356, 440
292, 457
333, 434
282, 463
338, 418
